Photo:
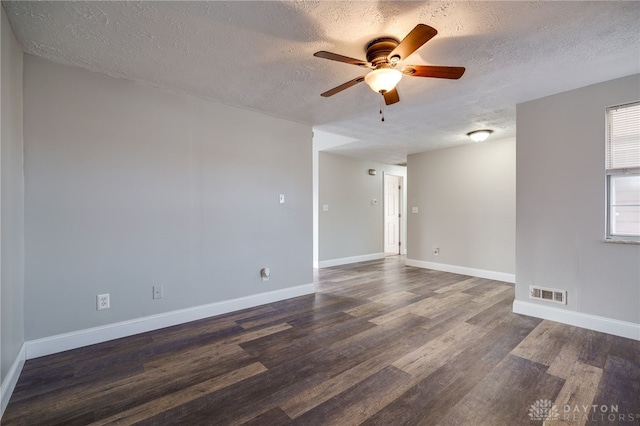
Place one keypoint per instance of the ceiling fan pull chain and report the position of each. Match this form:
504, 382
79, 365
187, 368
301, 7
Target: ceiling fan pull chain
381, 106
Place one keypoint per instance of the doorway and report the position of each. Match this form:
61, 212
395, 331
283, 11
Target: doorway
392, 214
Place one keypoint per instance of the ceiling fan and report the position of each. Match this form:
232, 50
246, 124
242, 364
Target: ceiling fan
383, 56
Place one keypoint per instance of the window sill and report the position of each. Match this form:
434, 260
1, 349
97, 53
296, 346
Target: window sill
611, 240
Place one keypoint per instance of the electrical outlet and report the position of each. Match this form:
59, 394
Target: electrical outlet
158, 292
102, 302
436, 251
265, 273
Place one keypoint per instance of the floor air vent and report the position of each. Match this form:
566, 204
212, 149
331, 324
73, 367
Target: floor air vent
548, 294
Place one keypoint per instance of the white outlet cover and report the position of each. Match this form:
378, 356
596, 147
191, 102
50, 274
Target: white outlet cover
414, 210
102, 302
158, 292
325, 207
281, 198
265, 273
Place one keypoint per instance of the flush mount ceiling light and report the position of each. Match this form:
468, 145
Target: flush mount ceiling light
383, 80
479, 135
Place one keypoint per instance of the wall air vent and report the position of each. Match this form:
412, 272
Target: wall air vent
548, 294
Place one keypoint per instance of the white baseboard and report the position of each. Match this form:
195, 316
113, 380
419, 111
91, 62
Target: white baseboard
76, 339
9, 382
352, 259
463, 270
578, 319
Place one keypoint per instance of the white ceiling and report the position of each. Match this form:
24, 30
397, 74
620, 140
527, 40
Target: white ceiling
259, 56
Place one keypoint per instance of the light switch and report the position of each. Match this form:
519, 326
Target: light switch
414, 210
281, 198
325, 207
374, 202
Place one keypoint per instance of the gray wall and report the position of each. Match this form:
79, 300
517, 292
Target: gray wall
12, 202
352, 226
321, 141
561, 203
466, 206
128, 187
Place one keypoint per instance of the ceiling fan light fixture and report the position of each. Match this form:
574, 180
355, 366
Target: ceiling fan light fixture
383, 79
479, 135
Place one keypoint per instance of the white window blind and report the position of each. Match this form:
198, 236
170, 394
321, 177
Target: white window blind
623, 137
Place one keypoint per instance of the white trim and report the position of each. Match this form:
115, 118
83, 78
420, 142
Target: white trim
352, 259
480, 273
578, 319
614, 241
9, 382
76, 339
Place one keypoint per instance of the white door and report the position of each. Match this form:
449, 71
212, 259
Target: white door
392, 191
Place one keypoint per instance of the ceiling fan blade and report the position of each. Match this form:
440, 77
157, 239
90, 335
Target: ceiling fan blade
347, 60
453, 73
342, 87
391, 97
417, 37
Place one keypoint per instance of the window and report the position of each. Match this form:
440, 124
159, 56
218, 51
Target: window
623, 172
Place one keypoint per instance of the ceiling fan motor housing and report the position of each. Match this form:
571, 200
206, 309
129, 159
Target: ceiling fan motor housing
379, 49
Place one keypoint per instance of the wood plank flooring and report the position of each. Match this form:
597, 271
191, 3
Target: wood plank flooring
378, 344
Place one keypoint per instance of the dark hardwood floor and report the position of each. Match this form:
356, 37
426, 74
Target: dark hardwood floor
378, 344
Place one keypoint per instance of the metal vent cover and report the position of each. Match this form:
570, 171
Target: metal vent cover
548, 294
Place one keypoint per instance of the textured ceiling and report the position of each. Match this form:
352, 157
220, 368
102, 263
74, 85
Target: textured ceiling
259, 56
